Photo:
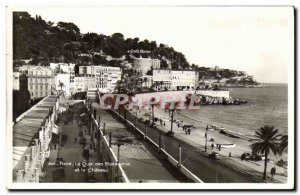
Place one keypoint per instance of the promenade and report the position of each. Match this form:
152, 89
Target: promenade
142, 162
197, 141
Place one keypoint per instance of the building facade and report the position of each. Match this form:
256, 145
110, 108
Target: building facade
174, 80
62, 83
31, 146
162, 79
86, 70
41, 81
107, 77
145, 64
184, 80
83, 83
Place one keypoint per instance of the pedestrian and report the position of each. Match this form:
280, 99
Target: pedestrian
243, 157
164, 124
273, 172
75, 139
212, 146
189, 131
160, 122
219, 147
54, 146
178, 125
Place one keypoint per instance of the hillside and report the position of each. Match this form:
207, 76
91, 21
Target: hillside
44, 42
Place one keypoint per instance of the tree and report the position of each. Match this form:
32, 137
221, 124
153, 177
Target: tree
172, 107
267, 140
283, 144
153, 104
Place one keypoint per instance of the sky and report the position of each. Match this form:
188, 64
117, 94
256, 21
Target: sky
258, 40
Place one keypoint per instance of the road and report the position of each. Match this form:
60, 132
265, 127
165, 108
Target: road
208, 170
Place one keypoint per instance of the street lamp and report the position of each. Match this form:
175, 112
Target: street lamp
206, 138
119, 145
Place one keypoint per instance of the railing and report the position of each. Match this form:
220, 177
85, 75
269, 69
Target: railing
120, 172
171, 159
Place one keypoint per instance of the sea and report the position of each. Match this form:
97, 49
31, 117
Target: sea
266, 106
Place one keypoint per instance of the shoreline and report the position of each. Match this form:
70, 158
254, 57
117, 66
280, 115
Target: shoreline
242, 143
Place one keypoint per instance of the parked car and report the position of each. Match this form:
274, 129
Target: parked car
214, 155
249, 156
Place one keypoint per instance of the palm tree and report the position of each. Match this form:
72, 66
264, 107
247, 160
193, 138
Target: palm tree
283, 146
267, 139
172, 107
153, 104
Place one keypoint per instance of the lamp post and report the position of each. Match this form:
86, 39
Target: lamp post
206, 138
135, 120
119, 145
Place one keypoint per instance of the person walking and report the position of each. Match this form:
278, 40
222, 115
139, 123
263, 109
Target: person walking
273, 172
212, 146
243, 157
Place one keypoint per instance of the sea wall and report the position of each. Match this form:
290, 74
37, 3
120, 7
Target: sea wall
182, 94
214, 93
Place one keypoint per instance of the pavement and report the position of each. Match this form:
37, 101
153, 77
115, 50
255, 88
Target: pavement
71, 151
197, 140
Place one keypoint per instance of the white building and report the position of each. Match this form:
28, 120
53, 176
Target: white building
174, 79
41, 81
145, 64
162, 79
62, 82
24, 69
107, 77
184, 79
79, 85
86, 70
83, 83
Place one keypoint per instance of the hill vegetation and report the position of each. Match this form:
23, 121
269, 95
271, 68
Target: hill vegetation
44, 42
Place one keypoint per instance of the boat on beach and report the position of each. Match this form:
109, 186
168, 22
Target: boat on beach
225, 145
